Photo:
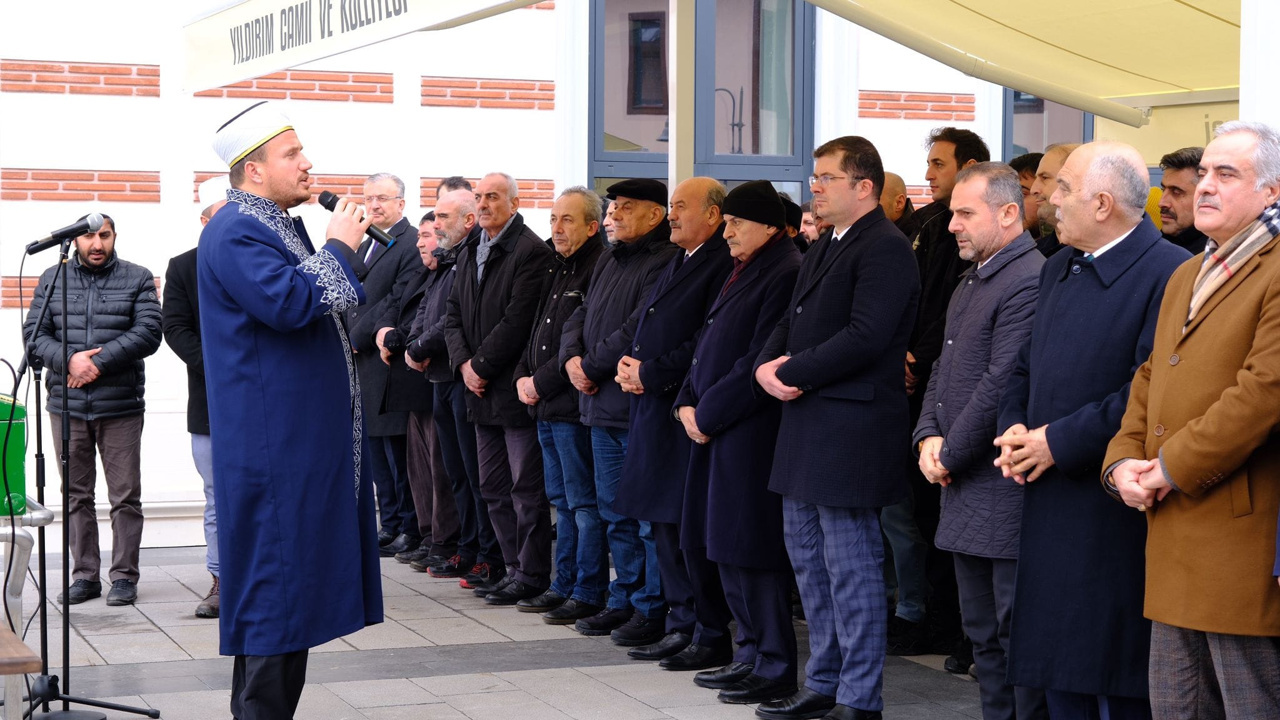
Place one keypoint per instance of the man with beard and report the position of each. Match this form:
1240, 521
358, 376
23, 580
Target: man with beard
1041, 188
1181, 172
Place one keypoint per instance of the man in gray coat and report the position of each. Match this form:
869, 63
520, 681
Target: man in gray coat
988, 321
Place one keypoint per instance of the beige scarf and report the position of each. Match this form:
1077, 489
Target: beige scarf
1220, 264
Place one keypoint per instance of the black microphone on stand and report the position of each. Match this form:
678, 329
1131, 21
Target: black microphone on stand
91, 224
329, 201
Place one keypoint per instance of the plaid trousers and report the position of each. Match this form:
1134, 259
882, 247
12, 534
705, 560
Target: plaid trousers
1208, 676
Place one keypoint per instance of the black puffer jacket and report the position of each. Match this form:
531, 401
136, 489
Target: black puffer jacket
113, 307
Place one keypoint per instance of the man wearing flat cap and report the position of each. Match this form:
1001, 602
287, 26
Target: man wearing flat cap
735, 516
594, 341
297, 533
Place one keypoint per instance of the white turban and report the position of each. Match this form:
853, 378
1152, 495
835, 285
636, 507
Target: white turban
248, 131
213, 191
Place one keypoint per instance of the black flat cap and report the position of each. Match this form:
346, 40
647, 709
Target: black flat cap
756, 201
640, 189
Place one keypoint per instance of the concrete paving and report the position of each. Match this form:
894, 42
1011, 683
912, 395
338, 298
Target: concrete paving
441, 654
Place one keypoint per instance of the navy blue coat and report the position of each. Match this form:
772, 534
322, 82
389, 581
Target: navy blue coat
728, 508
663, 334
842, 443
1077, 612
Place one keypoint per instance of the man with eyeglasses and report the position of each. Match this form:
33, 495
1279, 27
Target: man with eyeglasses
389, 267
835, 362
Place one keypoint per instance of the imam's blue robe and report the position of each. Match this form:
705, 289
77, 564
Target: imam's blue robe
296, 524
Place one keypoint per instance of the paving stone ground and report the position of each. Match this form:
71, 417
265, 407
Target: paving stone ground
441, 654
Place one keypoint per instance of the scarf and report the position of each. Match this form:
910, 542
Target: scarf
1221, 263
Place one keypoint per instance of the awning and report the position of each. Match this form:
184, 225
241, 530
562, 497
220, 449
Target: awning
1107, 57
257, 37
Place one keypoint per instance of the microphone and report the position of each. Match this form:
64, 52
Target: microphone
329, 201
90, 224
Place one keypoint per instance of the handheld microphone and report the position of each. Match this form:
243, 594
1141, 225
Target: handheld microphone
91, 224
329, 201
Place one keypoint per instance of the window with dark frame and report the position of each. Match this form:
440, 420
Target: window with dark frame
647, 74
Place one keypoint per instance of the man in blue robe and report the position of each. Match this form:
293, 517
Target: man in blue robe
297, 534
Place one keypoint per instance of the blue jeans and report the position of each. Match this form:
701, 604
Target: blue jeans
634, 586
910, 553
582, 561
202, 454
389, 468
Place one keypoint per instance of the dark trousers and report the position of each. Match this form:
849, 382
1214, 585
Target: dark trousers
709, 604
761, 603
676, 588
119, 442
986, 605
511, 482
1075, 706
267, 687
429, 484
388, 466
476, 540
1210, 676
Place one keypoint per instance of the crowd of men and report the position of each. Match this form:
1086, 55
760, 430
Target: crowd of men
902, 413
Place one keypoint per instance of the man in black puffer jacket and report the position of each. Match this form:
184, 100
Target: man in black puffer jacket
113, 322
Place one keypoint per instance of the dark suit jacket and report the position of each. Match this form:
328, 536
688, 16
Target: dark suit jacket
842, 443
389, 270
406, 389
664, 329
181, 326
489, 321
728, 507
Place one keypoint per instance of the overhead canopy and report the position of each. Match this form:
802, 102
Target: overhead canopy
1107, 57
252, 38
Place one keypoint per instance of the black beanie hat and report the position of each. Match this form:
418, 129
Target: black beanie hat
794, 216
756, 201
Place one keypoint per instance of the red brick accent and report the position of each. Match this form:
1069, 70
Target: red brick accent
349, 186
489, 93
85, 185
540, 194
311, 85
38, 76
17, 295
916, 106
920, 195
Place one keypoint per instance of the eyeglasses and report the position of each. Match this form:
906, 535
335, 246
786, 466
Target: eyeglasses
382, 199
825, 179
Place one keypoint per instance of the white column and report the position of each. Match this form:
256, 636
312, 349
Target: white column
1258, 99
573, 92
681, 32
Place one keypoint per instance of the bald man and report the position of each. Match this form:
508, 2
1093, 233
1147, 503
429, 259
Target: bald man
1041, 188
896, 205
1078, 631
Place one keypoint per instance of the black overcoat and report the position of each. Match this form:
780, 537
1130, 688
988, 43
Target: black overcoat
663, 335
390, 270
728, 507
180, 320
843, 442
405, 389
1077, 613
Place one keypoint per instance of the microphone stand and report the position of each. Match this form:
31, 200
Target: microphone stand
44, 688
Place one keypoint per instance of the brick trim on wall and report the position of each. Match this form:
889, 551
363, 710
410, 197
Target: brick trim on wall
311, 85
38, 76
79, 185
17, 295
488, 93
905, 105
537, 194
920, 195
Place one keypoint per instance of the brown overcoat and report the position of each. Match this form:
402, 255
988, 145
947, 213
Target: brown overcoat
1208, 401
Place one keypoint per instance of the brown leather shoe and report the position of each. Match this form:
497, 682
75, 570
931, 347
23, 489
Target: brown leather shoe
208, 608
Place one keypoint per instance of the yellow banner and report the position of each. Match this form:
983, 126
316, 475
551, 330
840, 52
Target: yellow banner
258, 37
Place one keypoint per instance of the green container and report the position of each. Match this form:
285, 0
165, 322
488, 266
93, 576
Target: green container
13, 435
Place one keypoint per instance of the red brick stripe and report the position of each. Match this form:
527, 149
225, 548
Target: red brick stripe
15, 295
916, 106
79, 185
489, 93
538, 194
311, 85
41, 76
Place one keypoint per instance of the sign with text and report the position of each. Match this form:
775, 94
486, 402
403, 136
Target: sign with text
258, 37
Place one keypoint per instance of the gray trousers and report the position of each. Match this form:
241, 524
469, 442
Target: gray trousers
1207, 676
513, 487
119, 442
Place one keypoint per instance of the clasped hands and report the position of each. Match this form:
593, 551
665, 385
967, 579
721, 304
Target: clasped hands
1024, 454
931, 461
81, 370
1141, 483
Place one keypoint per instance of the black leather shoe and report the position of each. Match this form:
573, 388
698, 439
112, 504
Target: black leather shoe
640, 630
385, 538
487, 589
456, 566
698, 657
844, 712
514, 592
670, 644
570, 612
546, 602
721, 678
803, 705
80, 591
404, 543
756, 689
604, 622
